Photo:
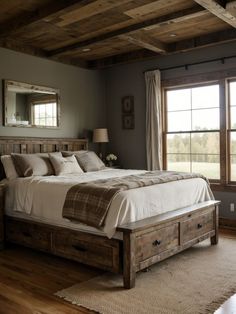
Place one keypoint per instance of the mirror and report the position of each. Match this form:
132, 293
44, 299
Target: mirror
27, 105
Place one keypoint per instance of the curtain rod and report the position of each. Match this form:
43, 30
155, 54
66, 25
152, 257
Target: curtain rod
186, 66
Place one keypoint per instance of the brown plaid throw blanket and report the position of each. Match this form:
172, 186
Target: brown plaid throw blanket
89, 202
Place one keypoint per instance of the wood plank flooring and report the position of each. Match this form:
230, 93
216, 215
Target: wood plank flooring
28, 280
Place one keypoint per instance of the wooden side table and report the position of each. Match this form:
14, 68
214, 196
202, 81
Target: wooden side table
2, 199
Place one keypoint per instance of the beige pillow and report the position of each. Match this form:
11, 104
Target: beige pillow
33, 164
89, 161
9, 167
65, 165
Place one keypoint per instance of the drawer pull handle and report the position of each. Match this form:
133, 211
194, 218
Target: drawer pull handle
199, 226
79, 248
26, 234
156, 243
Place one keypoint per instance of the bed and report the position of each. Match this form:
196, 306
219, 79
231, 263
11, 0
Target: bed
131, 240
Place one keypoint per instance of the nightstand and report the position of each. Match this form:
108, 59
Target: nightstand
2, 199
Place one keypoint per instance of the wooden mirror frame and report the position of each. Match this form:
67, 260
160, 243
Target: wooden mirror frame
32, 87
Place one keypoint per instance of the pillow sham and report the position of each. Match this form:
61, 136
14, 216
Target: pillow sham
89, 161
65, 165
9, 167
33, 164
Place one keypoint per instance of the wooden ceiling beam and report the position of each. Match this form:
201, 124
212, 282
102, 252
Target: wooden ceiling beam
28, 18
123, 58
184, 45
215, 8
145, 41
162, 20
202, 41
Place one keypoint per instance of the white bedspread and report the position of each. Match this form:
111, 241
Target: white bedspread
42, 198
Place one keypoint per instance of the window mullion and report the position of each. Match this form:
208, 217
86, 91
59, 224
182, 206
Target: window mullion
224, 158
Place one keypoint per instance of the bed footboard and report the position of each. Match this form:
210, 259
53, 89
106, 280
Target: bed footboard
151, 240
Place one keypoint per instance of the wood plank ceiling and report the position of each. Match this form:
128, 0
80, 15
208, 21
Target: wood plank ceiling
101, 33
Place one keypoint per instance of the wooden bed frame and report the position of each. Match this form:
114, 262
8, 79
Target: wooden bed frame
145, 242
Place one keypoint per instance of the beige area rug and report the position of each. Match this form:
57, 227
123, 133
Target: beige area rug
196, 281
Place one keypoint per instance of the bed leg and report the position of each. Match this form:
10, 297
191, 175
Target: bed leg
214, 239
129, 272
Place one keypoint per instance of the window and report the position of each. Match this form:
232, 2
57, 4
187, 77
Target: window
232, 129
44, 114
193, 130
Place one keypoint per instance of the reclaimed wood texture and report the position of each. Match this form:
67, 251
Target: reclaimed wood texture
82, 247
89, 32
157, 238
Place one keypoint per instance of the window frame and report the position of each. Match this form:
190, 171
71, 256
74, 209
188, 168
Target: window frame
223, 80
39, 103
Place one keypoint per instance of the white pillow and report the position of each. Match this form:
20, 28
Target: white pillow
9, 167
65, 165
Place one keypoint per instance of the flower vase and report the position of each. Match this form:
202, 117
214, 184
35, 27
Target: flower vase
110, 163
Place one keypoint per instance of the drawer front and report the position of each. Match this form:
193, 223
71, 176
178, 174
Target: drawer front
28, 234
86, 250
156, 242
197, 226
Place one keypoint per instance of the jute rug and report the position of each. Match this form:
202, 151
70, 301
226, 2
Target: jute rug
196, 281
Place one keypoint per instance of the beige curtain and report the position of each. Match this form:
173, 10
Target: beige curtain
153, 120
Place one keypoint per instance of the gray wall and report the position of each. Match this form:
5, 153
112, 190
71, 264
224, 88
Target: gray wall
129, 80
82, 93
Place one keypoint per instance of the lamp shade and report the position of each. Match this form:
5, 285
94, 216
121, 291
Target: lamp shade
100, 136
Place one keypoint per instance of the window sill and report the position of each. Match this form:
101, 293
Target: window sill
223, 187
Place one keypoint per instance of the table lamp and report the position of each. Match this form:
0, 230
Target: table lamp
100, 136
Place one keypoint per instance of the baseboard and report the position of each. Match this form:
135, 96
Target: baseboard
227, 223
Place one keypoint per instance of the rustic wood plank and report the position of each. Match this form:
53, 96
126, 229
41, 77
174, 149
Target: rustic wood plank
203, 41
215, 237
145, 41
166, 217
169, 18
89, 10
129, 270
215, 8
33, 16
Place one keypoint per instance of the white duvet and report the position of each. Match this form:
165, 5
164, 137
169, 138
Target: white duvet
42, 198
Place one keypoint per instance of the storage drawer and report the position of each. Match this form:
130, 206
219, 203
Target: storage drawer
28, 234
91, 250
196, 226
157, 241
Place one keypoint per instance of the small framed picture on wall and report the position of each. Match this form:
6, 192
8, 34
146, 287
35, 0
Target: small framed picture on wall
128, 105
127, 112
128, 121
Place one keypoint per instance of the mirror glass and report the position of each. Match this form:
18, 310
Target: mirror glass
27, 105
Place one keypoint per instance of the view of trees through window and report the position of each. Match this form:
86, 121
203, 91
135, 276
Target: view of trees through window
193, 128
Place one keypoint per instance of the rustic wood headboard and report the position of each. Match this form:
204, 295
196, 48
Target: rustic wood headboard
28, 145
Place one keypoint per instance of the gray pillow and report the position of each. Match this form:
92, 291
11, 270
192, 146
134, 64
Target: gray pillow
89, 161
9, 167
33, 164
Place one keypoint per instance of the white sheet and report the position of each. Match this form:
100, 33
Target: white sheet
42, 198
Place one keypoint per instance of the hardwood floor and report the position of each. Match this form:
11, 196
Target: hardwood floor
28, 280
